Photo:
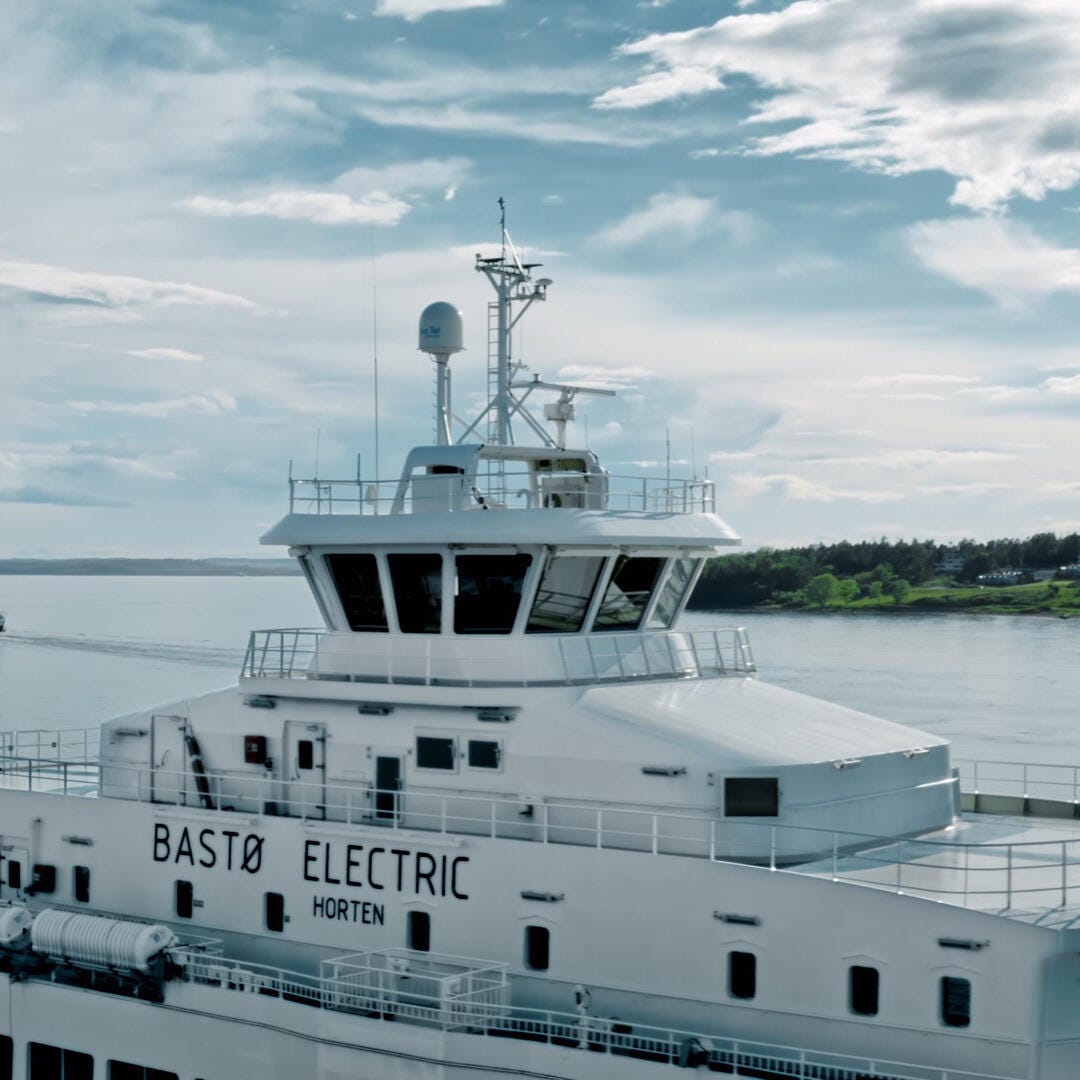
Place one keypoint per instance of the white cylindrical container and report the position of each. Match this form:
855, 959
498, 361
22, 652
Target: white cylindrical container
93, 939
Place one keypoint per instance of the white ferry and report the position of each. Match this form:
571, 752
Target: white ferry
502, 817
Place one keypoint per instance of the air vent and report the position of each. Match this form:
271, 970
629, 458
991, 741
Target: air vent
496, 715
373, 708
736, 920
664, 770
543, 897
969, 944
82, 841
260, 701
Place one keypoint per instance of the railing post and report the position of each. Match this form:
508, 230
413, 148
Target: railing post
655, 835
772, 847
1008, 875
599, 828
712, 839
1064, 873
545, 827
835, 852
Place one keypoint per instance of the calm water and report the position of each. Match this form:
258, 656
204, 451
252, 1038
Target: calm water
82, 649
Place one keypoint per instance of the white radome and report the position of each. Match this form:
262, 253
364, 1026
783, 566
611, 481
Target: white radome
442, 331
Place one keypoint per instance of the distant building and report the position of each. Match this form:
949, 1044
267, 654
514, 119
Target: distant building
1004, 577
1043, 575
1071, 571
951, 564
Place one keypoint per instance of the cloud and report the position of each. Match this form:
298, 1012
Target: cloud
790, 486
705, 152
668, 215
605, 378
414, 10
1003, 258
987, 91
58, 285
916, 378
1060, 385
181, 355
40, 496
318, 207
213, 403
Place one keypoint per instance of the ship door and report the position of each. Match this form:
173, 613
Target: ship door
14, 871
387, 788
305, 755
168, 760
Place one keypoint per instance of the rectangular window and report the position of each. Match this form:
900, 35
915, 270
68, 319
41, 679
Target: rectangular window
81, 879
680, 574
305, 754
53, 1063
863, 990
627, 595
488, 592
955, 1001
418, 931
751, 796
356, 578
275, 911
742, 975
14, 874
7, 1056
483, 754
434, 753
417, 581
185, 899
537, 948
124, 1070
566, 590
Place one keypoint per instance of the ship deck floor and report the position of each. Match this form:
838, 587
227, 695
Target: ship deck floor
1022, 868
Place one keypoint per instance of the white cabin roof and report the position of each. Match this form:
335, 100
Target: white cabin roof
756, 724
606, 528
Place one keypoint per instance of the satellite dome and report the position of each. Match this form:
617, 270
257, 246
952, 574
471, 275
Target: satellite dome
441, 330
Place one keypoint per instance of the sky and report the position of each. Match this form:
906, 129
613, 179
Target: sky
829, 248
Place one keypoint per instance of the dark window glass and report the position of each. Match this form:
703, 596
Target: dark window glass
537, 947
81, 877
751, 796
863, 990
43, 878
488, 592
356, 578
565, 593
185, 899
14, 874
7, 1056
955, 1001
434, 753
53, 1063
742, 975
419, 931
387, 785
305, 754
680, 574
275, 911
123, 1070
417, 581
483, 754
627, 595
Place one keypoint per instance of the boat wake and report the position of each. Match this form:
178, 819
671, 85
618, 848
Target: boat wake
135, 648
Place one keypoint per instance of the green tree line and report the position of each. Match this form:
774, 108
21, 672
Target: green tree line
843, 572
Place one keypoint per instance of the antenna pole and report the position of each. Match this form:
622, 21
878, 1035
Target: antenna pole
375, 349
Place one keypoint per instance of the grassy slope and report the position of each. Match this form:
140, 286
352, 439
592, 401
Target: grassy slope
1040, 598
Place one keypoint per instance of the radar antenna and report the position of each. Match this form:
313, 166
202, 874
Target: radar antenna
514, 287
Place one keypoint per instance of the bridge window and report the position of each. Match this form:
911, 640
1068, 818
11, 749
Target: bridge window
742, 975
488, 592
435, 753
81, 881
356, 578
627, 596
417, 581
537, 948
565, 593
863, 990
418, 931
123, 1070
185, 899
671, 595
53, 1063
275, 911
955, 1001
751, 796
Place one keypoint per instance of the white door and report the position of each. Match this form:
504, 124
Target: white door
305, 768
168, 759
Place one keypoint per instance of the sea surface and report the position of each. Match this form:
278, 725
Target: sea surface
79, 650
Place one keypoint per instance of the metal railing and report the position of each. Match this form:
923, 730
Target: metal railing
514, 489
69, 744
538, 660
430, 990
1021, 779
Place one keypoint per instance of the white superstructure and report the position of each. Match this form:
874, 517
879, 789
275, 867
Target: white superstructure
502, 816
